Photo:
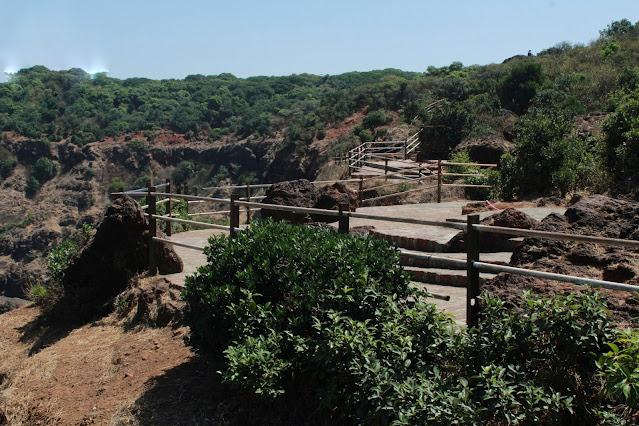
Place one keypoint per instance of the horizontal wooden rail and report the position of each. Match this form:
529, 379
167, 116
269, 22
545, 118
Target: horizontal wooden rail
463, 174
465, 185
616, 242
450, 163
454, 225
208, 213
176, 243
293, 209
489, 267
397, 194
191, 222
439, 259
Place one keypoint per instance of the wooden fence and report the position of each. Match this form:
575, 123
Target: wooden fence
473, 264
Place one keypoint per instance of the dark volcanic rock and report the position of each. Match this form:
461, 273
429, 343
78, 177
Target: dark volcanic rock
595, 215
9, 303
299, 193
102, 269
302, 193
487, 149
490, 242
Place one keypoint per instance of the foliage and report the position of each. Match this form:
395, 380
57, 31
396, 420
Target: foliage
44, 169
519, 87
375, 119
622, 135
31, 187
445, 127
7, 163
620, 368
38, 293
546, 158
327, 320
58, 260
117, 184
617, 28
183, 172
138, 145
474, 193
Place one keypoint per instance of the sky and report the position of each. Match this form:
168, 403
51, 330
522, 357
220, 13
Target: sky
172, 39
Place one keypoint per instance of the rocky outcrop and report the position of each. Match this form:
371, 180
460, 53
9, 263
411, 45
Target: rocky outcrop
487, 149
302, 193
115, 253
490, 242
595, 215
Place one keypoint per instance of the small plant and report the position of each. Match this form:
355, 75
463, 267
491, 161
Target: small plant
86, 230
139, 145
59, 259
117, 184
37, 293
620, 369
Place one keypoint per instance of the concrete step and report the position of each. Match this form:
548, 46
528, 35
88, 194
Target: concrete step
500, 258
443, 277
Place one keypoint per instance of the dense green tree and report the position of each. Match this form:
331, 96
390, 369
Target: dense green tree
520, 86
622, 135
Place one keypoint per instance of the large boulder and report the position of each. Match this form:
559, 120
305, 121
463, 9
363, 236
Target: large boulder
302, 193
491, 242
115, 253
299, 193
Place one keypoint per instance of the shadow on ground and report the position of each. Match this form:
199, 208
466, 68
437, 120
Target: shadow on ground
193, 394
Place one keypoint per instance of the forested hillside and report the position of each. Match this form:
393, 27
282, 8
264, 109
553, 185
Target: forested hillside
545, 91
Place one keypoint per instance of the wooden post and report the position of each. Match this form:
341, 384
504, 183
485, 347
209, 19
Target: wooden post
439, 181
405, 152
385, 169
344, 218
360, 194
472, 273
235, 215
248, 208
153, 267
186, 192
169, 207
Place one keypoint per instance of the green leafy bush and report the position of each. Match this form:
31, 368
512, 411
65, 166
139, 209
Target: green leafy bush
622, 135
328, 321
620, 368
117, 184
44, 169
31, 187
7, 165
59, 259
183, 172
519, 87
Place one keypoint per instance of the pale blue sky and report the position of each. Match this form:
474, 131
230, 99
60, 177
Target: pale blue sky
172, 39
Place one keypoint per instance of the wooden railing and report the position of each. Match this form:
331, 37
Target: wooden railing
473, 264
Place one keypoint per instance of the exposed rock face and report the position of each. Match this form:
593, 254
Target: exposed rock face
487, 149
302, 193
299, 193
9, 303
489, 242
103, 268
595, 215
508, 127
589, 125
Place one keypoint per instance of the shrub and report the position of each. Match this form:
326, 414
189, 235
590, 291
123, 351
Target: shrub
620, 368
327, 319
7, 163
59, 259
376, 119
622, 135
139, 145
184, 171
117, 184
31, 187
519, 87
44, 169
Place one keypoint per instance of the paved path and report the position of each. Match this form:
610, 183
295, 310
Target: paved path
431, 211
